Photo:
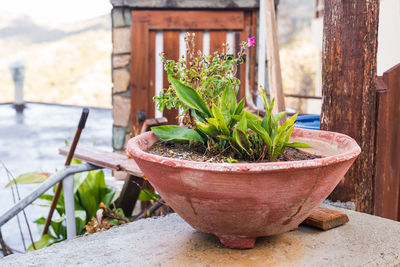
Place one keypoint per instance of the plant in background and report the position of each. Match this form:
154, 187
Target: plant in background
208, 75
90, 194
222, 125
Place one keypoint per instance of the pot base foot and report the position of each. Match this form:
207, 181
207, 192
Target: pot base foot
237, 241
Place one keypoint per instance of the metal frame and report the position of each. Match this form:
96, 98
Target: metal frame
66, 176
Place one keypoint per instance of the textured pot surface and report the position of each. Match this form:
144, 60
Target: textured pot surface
241, 201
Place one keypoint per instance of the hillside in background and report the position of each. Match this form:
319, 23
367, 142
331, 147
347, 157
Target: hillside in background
71, 63
65, 64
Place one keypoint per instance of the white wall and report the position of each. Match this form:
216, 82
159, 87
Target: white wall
388, 35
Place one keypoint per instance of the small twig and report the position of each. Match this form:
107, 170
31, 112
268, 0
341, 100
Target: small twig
153, 198
221, 152
150, 210
9, 174
6, 249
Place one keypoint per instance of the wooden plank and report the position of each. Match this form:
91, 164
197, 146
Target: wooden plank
252, 24
387, 173
171, 50
152, 74
217, 38
325, 219
129, 194
109, 160
139, 74
274, 64
189, 19
349, 95
240, 36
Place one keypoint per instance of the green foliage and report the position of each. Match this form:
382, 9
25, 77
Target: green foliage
219, 121
29, 178
177, 133
90, 190
147, 195
208, 75
44, 241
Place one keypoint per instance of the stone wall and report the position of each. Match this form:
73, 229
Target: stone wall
121, 58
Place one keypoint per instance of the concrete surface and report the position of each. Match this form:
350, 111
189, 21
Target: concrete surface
168, 241
30, 142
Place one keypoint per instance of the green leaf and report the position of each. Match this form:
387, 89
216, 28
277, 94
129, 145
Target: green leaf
289, 133
176, 133
298, 144
41, 220
278, 117
261, 132
46, 197
228, 99
239, 107
108, 197
147, 195
29, 178
242, 125
75, 161
288, 123
87, 196
198, 115
207, 128
189, 96
80, 221
242, 140
44, 241
221, 120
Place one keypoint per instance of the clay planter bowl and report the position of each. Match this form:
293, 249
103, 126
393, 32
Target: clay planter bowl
239, 202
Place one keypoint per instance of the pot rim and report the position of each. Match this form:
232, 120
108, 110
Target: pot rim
354, 150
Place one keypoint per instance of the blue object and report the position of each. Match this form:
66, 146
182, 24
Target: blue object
308, 122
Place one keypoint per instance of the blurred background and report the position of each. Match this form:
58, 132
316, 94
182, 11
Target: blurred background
66, 47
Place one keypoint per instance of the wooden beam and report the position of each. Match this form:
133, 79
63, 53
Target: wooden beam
325, 219
349, 92
274, 64
189, 19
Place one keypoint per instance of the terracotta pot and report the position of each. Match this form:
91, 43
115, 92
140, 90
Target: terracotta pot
241, 201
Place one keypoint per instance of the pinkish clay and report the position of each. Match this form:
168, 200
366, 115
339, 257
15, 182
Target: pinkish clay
242, 201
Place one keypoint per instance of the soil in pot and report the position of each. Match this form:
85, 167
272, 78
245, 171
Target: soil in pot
198, 153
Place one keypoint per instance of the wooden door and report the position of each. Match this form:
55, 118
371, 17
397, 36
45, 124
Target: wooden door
211, 28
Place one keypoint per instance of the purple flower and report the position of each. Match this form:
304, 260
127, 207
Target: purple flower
251, 41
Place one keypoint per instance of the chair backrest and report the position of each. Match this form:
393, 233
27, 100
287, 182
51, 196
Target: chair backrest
155, 31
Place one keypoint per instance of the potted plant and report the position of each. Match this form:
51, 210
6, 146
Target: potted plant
247, 176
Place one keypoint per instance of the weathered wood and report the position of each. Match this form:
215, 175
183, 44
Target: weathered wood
171, 50
349, 97
186, 4
387, 174
325, 219
129, 194
274, 63
111, 160
153, 122
144, 25
139, 75
217, 38
189, 19
151, 92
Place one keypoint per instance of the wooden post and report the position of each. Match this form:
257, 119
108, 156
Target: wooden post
349, 93
274, 64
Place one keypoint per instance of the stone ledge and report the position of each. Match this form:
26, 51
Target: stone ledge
169, 241
186, 4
